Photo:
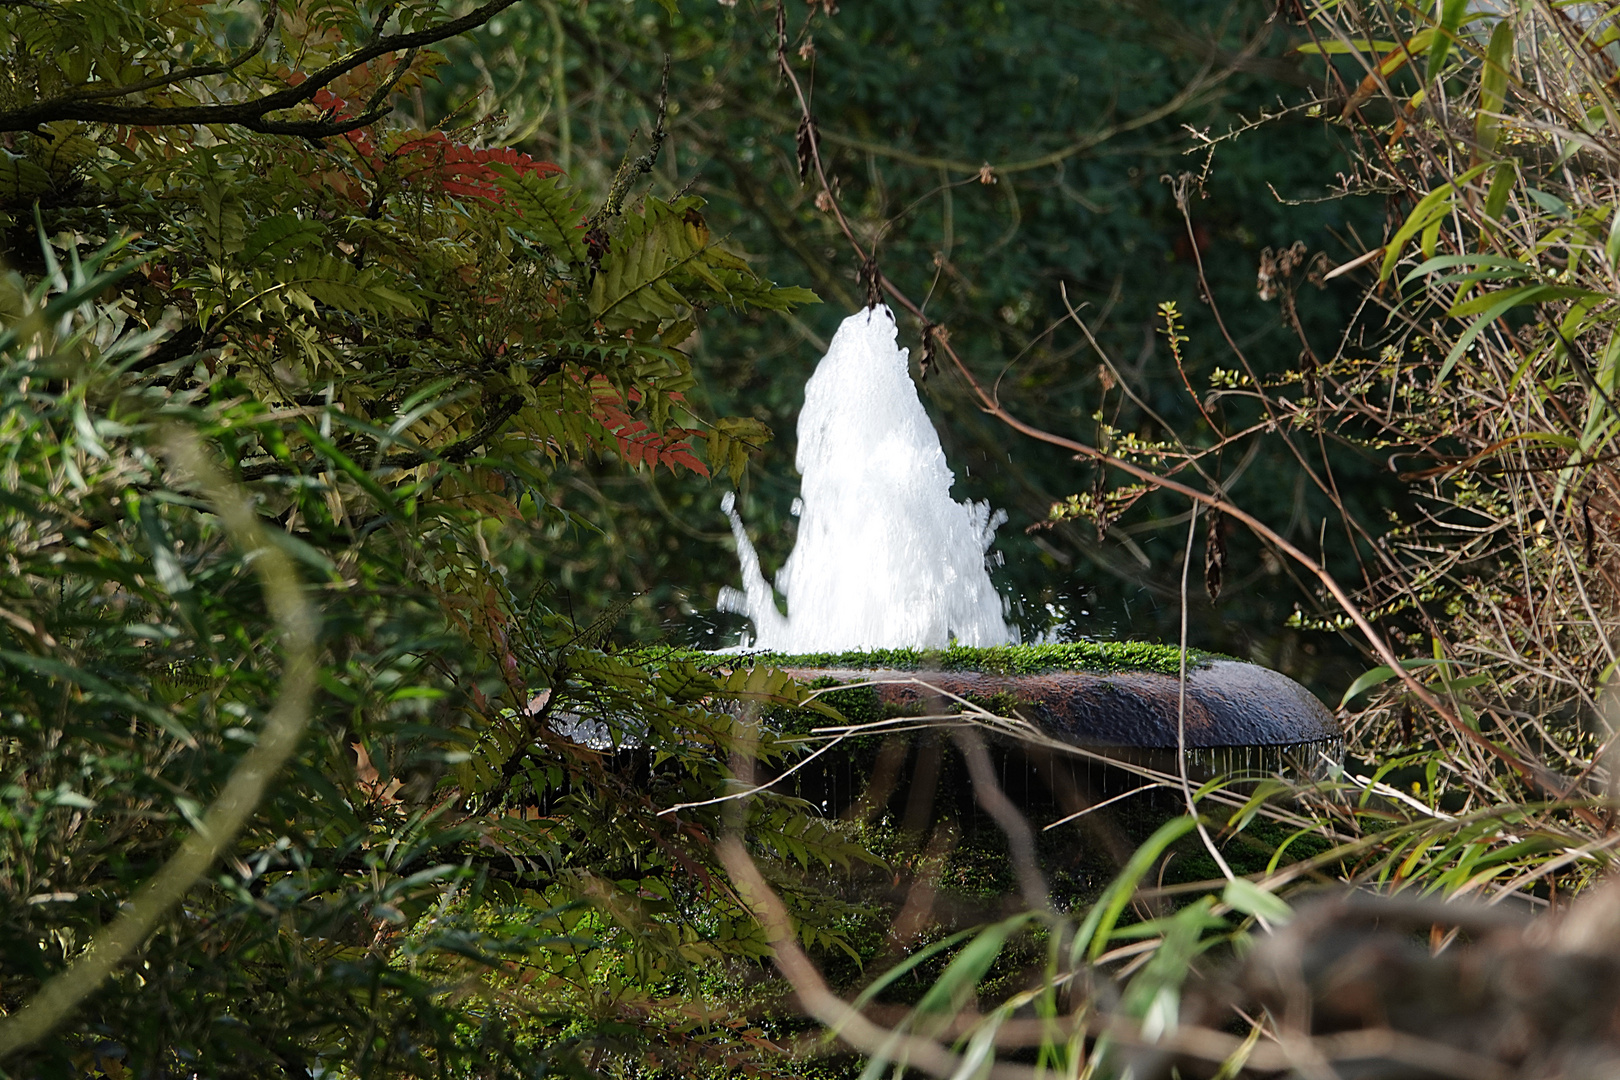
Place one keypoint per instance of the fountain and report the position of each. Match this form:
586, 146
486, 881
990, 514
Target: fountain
885, 557
889, 572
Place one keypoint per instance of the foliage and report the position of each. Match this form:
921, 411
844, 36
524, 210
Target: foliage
1480, 349
506, 846
389, 338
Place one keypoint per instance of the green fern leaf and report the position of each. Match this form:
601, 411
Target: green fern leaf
548, 210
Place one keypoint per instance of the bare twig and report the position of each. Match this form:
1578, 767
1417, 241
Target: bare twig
97, 92
818, 1000
1181, 710
1020, 838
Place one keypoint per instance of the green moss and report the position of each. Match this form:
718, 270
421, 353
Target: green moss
1097, 656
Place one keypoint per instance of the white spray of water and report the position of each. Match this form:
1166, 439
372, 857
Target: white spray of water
885, 558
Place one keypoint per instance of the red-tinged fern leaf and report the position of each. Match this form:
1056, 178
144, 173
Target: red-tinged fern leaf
459, 170
681, 454
433, 160
635, 441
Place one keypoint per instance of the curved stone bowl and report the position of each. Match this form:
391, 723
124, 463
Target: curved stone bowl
1238, 715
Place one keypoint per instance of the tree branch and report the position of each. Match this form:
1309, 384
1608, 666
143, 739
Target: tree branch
253, 115
461, 449
456, 452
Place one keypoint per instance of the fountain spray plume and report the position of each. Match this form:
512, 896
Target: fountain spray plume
885, 558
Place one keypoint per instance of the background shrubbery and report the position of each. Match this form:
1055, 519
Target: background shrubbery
330, 406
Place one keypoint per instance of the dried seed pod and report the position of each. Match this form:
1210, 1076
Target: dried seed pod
871, 279
807, 145
1214, 555
1591, 536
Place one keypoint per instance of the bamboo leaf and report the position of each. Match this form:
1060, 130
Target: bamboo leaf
1243, 895
1381, 674
1500, 304
906, 966
349, 467
957, 983
1436, 204
1493, 87
1502, 181
1443, 262
1354, 45
1099, 925
1451, 14
1516, 296
170, 574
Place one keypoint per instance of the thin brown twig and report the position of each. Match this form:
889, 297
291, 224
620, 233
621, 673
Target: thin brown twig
817, 998
1020, 838
1181, 710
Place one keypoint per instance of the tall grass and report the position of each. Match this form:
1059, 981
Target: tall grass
1483, 372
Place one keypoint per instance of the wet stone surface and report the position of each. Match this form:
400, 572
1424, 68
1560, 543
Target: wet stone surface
1228, 704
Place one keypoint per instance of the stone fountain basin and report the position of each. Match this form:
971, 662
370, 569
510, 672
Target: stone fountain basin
1229, 703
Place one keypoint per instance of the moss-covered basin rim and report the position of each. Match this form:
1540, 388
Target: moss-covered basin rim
1091, 656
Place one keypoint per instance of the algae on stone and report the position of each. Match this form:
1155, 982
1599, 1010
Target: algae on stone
1102, 657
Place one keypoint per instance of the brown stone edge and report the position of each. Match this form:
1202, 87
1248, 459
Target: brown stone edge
1228, 704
